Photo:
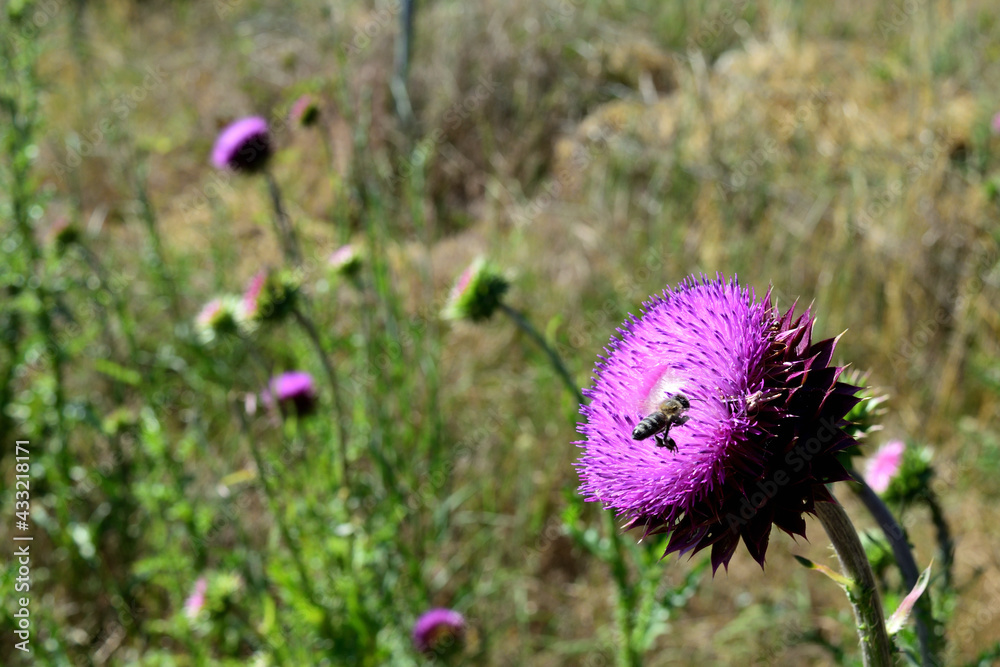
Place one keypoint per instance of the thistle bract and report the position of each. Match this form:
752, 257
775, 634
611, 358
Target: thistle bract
270, 296
476, 294
759, 440
305, 111
439, 632
245, 145
223, 315
345, 260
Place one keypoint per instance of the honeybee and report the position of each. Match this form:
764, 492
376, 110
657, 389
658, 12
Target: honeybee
669, 413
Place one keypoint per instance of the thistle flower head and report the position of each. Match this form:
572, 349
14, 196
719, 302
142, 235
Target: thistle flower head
345, 260
883, 466
477, 292
439, 632
222, 315
903, 474
270, 296
305, 111
194, 603
292, 391
756, 445
245, 145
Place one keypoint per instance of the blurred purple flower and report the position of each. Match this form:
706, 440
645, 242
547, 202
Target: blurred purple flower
196, 600
305, 111
438, 631
477, 292
762, 431
295, 389
883, 466
345, 260
245, 145
995, 124
251, 296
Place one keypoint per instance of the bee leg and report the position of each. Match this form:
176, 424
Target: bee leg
681, 420
664, 440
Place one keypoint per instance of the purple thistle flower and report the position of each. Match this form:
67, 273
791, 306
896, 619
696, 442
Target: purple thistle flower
295, 389
995, 123
760, 437
194, 603
245, 145
438, 631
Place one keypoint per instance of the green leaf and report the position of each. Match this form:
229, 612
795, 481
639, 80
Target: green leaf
117, 372
840, 579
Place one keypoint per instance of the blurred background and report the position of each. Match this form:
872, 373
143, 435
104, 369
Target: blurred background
596, 152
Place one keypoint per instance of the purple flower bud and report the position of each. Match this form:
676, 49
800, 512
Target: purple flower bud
439, 631
295, 390
245, 145
305, 111
194, 603
881, 468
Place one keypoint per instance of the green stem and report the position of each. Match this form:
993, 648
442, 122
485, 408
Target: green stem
286, 537
628, 656
160, 265
338, 403
903, 556
282, 224
526, 327
943, 533
876, 647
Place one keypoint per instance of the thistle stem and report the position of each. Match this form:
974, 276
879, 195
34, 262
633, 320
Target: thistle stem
338, 403
876, 648
522, 322
291, 544
282, 225
903, 555
628, 656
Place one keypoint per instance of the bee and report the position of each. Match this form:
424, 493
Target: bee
669, 413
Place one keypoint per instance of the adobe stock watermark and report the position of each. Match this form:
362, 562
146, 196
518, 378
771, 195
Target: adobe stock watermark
795, 460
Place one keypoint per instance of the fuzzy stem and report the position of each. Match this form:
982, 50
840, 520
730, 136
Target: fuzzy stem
521, 321
903, 555
282, 225
876, 648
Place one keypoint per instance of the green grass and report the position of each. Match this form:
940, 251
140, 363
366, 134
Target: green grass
842, 159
